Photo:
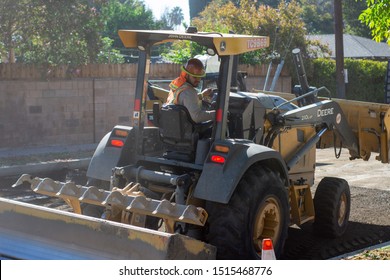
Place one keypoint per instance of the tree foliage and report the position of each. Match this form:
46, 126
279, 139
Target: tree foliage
14, 26
171, 18
109, 55
282, 24
176, 16
377, 18
128, 14
318, 16
72, 32
51, 31
82, 31
352, 25
180, 53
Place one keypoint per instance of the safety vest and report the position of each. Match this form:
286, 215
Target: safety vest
177, 86
173, 97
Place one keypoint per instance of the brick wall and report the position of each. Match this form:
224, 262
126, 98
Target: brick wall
35, 113
78, 111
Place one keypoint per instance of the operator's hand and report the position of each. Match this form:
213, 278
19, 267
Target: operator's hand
207, 94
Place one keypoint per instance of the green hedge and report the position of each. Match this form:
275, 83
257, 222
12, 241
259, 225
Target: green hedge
366, 78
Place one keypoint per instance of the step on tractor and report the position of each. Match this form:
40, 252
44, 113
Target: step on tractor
164, 189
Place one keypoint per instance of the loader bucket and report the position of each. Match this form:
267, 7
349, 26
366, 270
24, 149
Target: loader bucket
34, 232
371, 125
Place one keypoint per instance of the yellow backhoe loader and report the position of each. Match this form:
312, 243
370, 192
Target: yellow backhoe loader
164, 191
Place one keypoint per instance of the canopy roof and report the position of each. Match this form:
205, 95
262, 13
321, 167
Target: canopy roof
222, 44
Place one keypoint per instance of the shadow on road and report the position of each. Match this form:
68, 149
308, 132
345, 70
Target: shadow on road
302, 244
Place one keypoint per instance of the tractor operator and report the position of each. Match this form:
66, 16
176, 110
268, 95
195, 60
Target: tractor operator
183, 91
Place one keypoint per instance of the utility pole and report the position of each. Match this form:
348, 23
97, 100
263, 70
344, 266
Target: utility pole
338, 32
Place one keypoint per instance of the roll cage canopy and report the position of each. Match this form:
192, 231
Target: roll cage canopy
216, 43
226, 46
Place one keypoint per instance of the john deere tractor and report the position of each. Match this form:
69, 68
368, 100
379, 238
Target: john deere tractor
164, 189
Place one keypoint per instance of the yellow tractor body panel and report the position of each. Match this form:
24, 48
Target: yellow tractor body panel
369, 121
289, 142
223, 44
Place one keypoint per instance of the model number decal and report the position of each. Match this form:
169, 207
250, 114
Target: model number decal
306, 117
257, 43
325, 112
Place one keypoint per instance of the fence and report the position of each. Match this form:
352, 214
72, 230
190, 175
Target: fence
29, 72
42, 72
63, 109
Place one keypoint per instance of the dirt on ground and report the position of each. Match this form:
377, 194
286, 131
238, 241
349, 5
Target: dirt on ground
369, 182
370, 206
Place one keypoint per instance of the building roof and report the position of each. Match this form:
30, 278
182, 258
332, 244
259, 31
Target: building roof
355, 46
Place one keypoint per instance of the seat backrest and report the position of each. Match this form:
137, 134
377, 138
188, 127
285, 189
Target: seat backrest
177, 128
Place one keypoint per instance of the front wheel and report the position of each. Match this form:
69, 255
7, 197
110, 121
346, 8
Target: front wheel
332, 204
258, 209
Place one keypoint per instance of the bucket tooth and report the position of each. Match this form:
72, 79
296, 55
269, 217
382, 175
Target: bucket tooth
93, 195
25, 178
116, 198
70, 193
192, 213
71, 190
48, 187
167, 208
125, 199
139, 204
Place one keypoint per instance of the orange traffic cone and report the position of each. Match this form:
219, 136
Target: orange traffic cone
267, 251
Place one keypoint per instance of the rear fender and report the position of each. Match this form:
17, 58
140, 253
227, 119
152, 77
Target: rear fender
218, 181
117, 148
108, 154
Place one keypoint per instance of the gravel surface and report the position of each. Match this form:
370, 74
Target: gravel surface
378, 254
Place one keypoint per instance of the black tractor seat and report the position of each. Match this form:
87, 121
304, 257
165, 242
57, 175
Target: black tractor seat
178, 132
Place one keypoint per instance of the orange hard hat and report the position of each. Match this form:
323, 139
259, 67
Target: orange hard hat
195, 68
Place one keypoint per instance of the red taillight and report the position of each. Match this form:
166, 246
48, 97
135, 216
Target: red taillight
219, 115
217, 159
137, 105
117, 143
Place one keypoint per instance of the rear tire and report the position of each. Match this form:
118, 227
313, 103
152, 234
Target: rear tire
258, 209
332, 204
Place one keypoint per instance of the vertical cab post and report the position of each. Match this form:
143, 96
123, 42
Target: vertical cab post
226, 69
141, 90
